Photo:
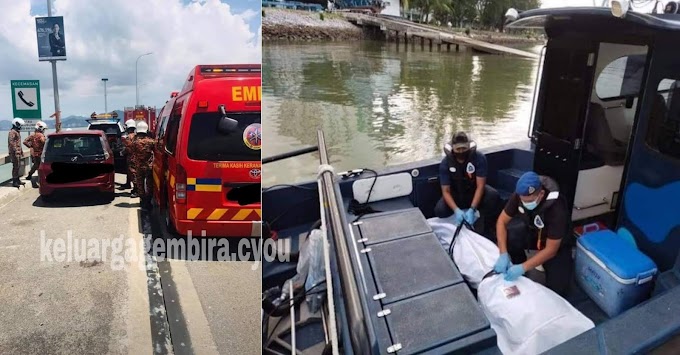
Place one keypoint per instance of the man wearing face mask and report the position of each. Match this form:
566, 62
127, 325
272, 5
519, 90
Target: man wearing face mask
538, 204
462, 175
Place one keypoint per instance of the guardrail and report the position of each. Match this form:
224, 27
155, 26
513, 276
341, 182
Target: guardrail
25, 162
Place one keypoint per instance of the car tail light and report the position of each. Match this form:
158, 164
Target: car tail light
42, 156
181, 185
106, 152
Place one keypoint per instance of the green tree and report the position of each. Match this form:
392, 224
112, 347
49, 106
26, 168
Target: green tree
463, 11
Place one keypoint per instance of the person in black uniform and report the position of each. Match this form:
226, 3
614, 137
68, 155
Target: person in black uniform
538, 204
462, 175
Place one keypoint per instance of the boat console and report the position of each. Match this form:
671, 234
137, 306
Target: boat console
418, 301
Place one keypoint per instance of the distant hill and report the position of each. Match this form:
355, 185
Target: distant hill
66, 122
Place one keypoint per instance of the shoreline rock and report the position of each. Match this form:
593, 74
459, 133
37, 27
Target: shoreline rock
294, 25
279, 24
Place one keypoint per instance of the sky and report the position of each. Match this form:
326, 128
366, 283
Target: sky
105, 37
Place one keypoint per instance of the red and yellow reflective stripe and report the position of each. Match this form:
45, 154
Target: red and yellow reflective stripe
224, 214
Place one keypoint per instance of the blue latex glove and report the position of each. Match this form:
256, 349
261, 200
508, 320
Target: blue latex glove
514, 272
502, 264
458, 216
470, 216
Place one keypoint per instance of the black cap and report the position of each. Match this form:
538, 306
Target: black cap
460, 139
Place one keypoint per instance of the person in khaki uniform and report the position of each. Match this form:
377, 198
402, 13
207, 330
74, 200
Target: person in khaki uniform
36, 142
142, 159
14, 150
127, 142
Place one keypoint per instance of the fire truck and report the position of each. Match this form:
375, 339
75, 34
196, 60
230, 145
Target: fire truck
207, 161
141, 113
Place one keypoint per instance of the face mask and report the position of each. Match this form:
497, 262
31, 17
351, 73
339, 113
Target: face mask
530, 205
463, 155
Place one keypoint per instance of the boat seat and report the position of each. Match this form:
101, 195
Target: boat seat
599, 140
390, 193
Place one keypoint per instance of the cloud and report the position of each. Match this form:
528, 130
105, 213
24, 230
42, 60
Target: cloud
104, 38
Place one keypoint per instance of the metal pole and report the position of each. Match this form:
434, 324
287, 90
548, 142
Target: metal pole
55, 81
136, 84
106, 106
360, 336
136, 79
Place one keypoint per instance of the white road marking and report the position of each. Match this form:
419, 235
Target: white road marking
199, 331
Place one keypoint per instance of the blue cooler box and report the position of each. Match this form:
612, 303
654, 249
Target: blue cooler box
615, 274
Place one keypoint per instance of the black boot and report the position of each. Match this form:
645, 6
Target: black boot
29, 177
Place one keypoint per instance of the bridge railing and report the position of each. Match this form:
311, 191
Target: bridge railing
6, 166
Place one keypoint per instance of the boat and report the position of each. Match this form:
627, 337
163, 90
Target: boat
605, 125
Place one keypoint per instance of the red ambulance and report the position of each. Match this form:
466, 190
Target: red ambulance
207, 160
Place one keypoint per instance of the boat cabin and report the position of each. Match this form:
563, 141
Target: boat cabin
605, 125
607, 119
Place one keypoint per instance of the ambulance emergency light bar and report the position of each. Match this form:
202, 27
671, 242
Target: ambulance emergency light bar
229, 69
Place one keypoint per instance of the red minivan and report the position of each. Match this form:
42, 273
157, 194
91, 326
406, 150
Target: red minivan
77, 159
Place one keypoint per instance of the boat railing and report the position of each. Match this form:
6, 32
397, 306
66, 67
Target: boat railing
334, 224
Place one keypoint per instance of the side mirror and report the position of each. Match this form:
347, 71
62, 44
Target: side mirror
226, 124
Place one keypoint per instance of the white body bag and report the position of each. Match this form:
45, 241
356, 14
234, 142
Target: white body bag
527, 317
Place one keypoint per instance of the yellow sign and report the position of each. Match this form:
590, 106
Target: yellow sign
237, 165
246, 93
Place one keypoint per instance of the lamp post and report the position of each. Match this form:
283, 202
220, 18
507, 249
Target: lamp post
136, 76
106, 107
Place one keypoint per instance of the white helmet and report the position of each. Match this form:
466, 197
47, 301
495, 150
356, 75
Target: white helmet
17, 122
130, 123
41, 126
142, 127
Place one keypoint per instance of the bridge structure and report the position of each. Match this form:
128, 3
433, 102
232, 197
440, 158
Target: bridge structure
413, 32
71, 280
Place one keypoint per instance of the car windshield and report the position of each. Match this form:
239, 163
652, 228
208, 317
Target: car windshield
207, 143
108, 128
73, 145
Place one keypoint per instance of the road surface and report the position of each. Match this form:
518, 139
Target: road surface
94, 300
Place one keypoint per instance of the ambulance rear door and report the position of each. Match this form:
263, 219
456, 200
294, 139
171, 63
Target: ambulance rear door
223, 168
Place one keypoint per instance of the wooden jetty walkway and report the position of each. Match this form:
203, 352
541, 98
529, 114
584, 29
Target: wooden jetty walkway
411, 30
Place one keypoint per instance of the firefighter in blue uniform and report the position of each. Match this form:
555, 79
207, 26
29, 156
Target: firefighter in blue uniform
537, 203
462, 175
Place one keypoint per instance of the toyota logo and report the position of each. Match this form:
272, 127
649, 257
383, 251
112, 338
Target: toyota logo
254, 173
74, 158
